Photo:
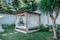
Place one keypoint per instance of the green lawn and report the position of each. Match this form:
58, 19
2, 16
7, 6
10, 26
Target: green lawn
11, 34
20, 36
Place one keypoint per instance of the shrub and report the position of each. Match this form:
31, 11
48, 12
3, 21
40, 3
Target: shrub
7, 26
58, 26
44, 28
12, 26
50, 28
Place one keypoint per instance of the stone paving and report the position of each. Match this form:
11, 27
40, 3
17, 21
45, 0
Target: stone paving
4, 34
8, 33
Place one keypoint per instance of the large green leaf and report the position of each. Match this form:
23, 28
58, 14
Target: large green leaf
49, 5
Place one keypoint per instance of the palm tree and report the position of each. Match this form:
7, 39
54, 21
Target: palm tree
48, 7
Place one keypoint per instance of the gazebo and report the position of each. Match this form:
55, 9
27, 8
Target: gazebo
27, 21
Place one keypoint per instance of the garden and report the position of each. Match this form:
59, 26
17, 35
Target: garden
11, 34
49, 8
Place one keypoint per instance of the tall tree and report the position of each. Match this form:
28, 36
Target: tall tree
49, 6
31, 4
16, 4
2, 4
5, 7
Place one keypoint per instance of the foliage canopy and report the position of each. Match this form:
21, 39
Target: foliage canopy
49, 5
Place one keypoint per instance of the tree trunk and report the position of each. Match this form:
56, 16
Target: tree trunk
54, 29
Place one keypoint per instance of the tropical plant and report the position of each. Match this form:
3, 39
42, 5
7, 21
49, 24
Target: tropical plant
48, 7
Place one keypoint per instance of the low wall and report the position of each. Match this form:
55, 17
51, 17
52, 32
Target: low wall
7, 19
10, 19
47, 20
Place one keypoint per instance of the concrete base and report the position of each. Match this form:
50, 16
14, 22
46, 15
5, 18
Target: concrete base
20, 31
26, 31
33, 31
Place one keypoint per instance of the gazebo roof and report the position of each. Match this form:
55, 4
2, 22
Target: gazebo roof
32, 12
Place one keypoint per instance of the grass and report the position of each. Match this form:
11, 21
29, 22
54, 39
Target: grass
20, 36
40, 35
14, 36
9, 30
